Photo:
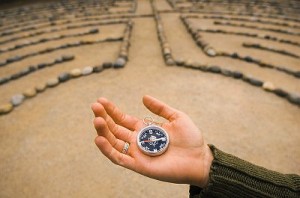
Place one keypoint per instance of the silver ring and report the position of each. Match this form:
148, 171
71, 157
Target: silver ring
148, 120
125, 148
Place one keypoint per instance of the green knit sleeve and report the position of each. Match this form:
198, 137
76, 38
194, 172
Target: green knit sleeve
233, 177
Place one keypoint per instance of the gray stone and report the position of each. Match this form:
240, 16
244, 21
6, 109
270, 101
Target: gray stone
255, 82
226, 72
214, 69
170, 62
67, 57
237, 74
6, 108
295, 99
17, 99
52, 82
280, 92
107, 65
4, 80
75, 73
120, 63
63, 77
98, 69
94, 31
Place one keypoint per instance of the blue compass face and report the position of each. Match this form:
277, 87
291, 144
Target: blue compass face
153, 140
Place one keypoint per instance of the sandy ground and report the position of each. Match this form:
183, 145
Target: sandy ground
47, 144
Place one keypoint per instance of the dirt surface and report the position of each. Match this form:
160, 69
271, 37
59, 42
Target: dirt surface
47, 143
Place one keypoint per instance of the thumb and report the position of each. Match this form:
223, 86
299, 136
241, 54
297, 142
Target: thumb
159, 108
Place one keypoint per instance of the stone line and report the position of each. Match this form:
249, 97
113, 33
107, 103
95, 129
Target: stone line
54, 11
70, 27
120, 62
255, 27
252, 20
267, 86
44, 40
254, 35
210, 51
270, 49
32, 68
240, 13
51, 49
166, 50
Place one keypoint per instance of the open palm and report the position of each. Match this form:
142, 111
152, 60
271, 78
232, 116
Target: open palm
187, 159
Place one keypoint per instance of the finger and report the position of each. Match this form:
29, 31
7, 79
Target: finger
159, 108
119, 131
118, 116
103, 130
113, 155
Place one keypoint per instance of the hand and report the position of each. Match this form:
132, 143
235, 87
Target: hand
187, 160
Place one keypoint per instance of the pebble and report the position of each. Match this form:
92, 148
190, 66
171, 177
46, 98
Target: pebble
63, 77
6, 108
98, 69
179, 61
214, 69
268, 86
297, 74
2, 63
75, 73
52, 82
41, 65
25, 71
170, 62
40, 87
295, 99
94, 31
211, 52
67, 57
107, 65
87, 71
226, 72
4, 80
280, 92
237, 74
120, 62
17, 99
59, 60
255, 82
29, 93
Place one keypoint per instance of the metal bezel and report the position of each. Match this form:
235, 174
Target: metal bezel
151, 153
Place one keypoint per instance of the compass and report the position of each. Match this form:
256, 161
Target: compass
153, 140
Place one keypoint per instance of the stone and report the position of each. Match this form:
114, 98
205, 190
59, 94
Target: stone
87, 71
59, 60
237, 74
16, 100
293, 98
98, 69
235, 55
40, 87
268, 86
6, 108
211, 52
214, 69
280, 92
25, 71
29, 93
107, 65
297, 74
249, 59
4, 80
170, 62
67, 57
15, 76
13, 59
75, 73
226, 72
41, 65
94, 31
2, 63
120, 63
63, 77
255, 82
32, 68
52, 82
179, 61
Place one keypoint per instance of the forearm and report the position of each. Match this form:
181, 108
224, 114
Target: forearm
232, 177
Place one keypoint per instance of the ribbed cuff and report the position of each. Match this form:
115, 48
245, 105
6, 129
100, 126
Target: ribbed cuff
234, 177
